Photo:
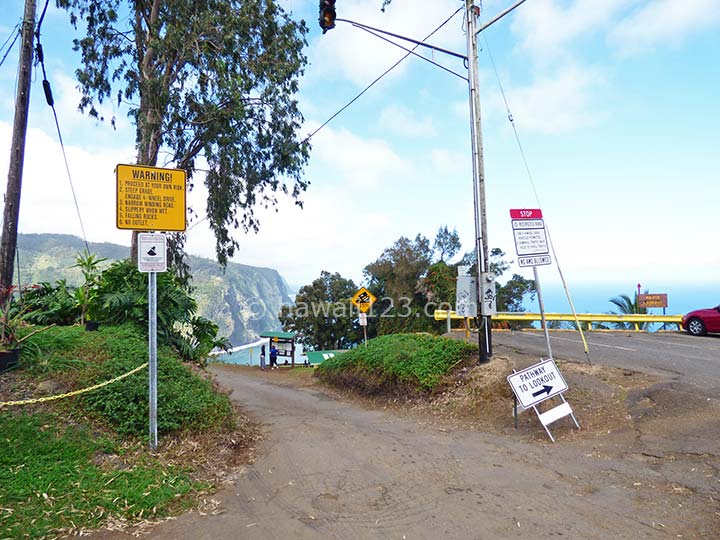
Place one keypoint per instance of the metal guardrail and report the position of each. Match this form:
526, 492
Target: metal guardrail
635, 319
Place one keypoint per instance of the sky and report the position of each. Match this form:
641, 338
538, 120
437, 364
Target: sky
614, 103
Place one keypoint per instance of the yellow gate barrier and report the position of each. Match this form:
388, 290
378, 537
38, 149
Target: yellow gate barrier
74, 392
633, 318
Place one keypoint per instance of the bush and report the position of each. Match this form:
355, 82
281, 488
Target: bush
185, 400
123, 294
397, 363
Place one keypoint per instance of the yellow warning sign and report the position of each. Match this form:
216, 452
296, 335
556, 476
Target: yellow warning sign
150, 198
363, 299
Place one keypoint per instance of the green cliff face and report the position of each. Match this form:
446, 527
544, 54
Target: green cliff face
243, 300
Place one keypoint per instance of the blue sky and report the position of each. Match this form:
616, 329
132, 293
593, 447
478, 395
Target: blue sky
615, 103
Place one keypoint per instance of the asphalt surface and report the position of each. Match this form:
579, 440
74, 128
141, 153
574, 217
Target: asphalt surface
334, 470
679, 357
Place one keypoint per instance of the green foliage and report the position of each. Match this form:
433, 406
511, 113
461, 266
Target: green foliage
447, 244
86, 296
51, 304
82, 359
440, 283
628, 306
185, 401
397, 272
406, 319
323, 314
123, 293
52, 477
211, 82
397, 363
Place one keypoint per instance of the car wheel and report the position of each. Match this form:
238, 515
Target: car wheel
696, 327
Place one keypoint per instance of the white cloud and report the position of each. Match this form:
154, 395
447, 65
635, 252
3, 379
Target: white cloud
545, 27
47, 203
664, 21
359, 162
558, 103
401, 120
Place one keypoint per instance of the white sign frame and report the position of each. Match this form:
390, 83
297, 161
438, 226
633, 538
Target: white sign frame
152, 252
526, 384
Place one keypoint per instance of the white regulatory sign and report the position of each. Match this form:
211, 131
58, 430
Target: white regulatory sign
537, 383
534, 260
152, 252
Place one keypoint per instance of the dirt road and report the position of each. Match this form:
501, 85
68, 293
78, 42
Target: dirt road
330, 469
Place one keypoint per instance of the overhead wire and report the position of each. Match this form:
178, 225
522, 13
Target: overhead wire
369, 86
17, 35
51, 102
511, 119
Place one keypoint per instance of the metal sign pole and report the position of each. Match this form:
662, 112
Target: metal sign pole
542, 311
152, 361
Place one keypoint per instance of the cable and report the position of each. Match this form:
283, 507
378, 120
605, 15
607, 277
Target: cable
353, 100
17, 35
411, 51
537, 197
51, 102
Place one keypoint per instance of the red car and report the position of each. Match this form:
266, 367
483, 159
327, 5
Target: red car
702, 321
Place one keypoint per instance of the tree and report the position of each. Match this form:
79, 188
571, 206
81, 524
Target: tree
627, 306
447, 243
212, 84
323, 314
397, 272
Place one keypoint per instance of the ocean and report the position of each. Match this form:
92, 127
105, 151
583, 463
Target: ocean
596, 298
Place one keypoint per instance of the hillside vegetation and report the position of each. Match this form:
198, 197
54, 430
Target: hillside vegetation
397, 364
242, 300
82, 461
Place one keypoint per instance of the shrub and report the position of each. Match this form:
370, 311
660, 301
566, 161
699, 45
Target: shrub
82, 359
397, 363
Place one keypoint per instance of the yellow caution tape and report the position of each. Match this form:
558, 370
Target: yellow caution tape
73, 393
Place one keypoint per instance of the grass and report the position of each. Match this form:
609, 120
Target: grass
396, 363
70, 464
55, 477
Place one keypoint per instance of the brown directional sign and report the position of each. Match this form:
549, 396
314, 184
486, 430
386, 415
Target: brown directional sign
150, 198
652, 300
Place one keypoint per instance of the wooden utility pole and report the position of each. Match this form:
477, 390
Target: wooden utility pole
8, 243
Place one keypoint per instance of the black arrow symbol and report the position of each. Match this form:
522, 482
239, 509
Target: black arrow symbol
545, 390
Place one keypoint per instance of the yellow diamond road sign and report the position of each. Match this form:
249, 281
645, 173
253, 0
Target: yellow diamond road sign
363, 299
150, 198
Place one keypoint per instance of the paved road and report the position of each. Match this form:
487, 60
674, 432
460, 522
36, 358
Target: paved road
687, 359
331, 470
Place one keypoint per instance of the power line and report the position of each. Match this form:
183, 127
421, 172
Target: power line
51, 102
368, 87
537, 197
17, 35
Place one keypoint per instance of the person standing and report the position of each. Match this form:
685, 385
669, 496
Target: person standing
262, 358
273, 357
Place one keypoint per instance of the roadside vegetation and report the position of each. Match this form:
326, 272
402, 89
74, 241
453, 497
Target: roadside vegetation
75, 463
410, 279
83, 461
398, 364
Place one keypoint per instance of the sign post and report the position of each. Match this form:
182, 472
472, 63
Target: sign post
151, 199
363, 300
152, 258
531, 246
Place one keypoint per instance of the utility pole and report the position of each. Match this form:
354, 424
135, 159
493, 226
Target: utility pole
481, 243
8, 243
